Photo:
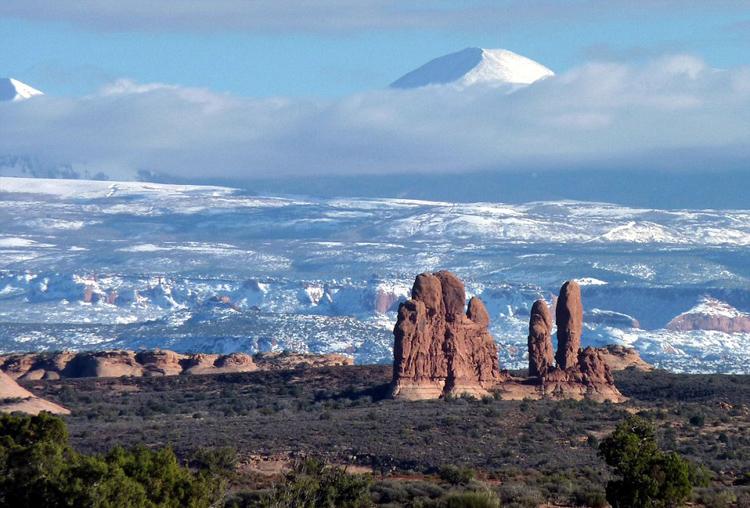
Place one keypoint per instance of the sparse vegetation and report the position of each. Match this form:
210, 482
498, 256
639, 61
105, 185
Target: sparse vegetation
647, 477
313, 484
38, 467
419, 453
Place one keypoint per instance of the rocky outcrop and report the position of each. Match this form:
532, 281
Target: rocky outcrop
610, 318
440, 348
160, 362
219, 364
33, 366
103, 364
591, 378
578, 373
290, 361
712, 314
387, 298
15, 398
541, 357
569, 320
619, 357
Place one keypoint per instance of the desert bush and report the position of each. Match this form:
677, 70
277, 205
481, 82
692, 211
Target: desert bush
647, 476
456, 475
215, 461
481, 499
520, 495
414, 493
314, 484
590, 497
697, 420
716, 498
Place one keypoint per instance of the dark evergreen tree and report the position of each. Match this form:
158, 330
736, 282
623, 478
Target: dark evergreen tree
647, 476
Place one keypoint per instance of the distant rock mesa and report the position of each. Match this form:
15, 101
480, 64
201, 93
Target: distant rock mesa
711, 314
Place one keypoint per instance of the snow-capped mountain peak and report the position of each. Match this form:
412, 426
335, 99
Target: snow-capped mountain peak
14, 90
473, 66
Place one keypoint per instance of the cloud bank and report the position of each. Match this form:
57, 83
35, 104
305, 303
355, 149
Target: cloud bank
670, 113
328, 16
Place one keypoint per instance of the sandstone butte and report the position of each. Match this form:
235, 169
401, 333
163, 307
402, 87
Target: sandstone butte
443, 350
15, 398
67, 364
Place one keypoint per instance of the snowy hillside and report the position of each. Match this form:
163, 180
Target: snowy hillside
13, 90
194, 268
476, 66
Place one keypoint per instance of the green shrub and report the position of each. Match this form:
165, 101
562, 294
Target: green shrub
697, 420
590, 497
712, 498
216, 461
313, 484
456, 475
482, 499
38, 467
520, 495
648, 477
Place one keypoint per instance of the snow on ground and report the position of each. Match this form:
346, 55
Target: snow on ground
93, 189
715, 308
590, 281
214, 267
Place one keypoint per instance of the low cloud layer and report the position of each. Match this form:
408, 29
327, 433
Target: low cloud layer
674, 112
327, 16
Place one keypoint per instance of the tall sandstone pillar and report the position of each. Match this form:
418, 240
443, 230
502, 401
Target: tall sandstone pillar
541, 357
569, 319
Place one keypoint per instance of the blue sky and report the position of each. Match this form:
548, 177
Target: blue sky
291, 49
237, 89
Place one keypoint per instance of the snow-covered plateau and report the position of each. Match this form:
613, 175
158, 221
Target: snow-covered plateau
101, 265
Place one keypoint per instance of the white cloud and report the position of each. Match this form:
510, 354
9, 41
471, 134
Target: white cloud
340, 15
669, 112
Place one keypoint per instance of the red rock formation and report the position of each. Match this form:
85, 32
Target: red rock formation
594, 369
477, 312
235, 362
17, 366
160, 362
200, 363
579, 373
15, 398
290, 361
712, 314
439, 349
590, 379
569, 319
620, 357
68, 364
104, 364
541, 356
